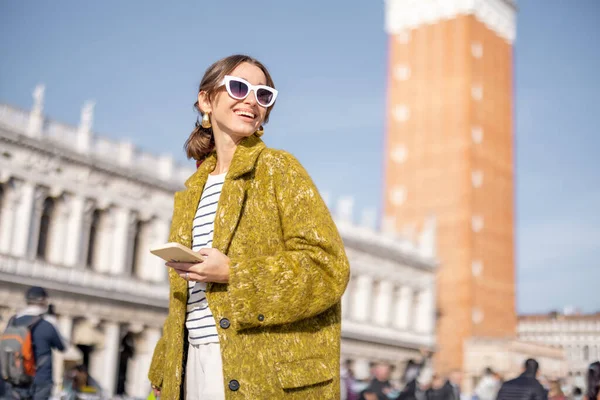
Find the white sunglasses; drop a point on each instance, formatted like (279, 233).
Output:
(239, 89)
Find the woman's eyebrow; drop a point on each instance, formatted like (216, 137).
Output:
(248, 80)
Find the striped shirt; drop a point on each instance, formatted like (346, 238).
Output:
(199, 321)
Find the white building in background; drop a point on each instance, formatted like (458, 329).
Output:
(388, 309)
(578, 334)
(78, 213)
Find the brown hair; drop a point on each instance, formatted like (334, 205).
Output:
(202, 141)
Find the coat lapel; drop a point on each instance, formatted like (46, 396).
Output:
(189, 199)
(231, 202)
(232, 198)
(185, 205)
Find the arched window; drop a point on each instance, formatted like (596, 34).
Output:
(45, 223)
(93, 238)
(135, 248)
(586, 353)
(126, 354)
(1, 202)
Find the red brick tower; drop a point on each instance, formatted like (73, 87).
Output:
(449, 153)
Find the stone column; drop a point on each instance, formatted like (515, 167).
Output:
(23, 229)
(65, 327)
(110, 358)
(347, 300)
(361, 307)
(122, 240)
(144, 268)
(10, 206)
(75, 237)
(87, 215)
(426, 311)
(383, 303)
(137, 379)
(156, 270)
(58, 239)
(403, 307)
(96, 367)
(103, 253)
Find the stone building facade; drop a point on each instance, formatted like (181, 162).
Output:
(78, 213)
(507, 357)
(578, 335)
(388, 309)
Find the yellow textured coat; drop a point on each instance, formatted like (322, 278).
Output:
(279, 318)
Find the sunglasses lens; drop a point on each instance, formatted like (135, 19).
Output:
(264, 96)
(238, 89)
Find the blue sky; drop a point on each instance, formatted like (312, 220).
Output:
(142, 61)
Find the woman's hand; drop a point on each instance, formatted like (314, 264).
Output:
(214, 268)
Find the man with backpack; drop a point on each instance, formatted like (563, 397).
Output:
(26, 349)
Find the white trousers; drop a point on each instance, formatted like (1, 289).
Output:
(204, 373)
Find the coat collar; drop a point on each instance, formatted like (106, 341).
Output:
(244, 159)
(233, 194)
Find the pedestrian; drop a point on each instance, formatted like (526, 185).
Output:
(556, 392)
(452, 385)
(525, 386)
(259, 317)
(380, 387)
(30, 377)
(79, 383)
(417, 377)
(593, 381)
(440, 389)
(488, 386)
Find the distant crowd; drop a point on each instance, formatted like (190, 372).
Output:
(30, 336)
(420, 383)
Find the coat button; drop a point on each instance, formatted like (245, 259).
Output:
(224, 323)
(234, 385)
(261, 317)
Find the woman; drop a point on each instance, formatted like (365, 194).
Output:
(593, 381)
(262, 311)
(79, 384)
(556, 392)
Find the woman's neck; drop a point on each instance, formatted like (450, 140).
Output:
(225, 146)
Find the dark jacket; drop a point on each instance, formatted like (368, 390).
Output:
(451, 391)
(376, 387)
(525, 387)
(45, 337)
(443, 393)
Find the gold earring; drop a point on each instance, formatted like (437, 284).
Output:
(206, 121)
(260, 131)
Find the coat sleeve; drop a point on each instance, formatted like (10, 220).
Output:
(155, 374)
(309, 276)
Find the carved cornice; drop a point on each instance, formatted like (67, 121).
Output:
(384, 247)
(54, 152)
(374, 334)
(84, 282)
(93, 309)
(158, 201)
(353, 349)
(390, 270)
